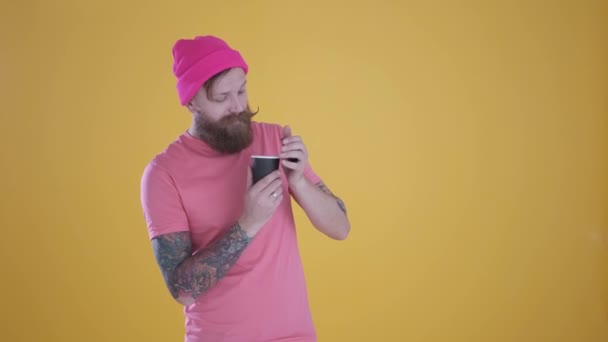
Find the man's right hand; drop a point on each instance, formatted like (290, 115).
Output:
(261, 201)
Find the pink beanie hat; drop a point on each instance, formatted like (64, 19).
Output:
(197, 60)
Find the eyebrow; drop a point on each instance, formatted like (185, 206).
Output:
(227, 92)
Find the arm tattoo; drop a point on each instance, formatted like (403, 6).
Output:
(170, 250)
(338, 200)
(188, 276)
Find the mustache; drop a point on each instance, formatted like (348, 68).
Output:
(245, 115)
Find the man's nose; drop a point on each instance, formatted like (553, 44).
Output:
(235, 105)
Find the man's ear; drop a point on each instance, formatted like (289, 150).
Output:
(191, 107)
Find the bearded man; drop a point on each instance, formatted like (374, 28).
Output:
(227, 248)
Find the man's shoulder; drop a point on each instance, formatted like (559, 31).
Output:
(267, 129)
(266, 125)
(164, 158)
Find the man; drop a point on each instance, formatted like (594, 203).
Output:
(227, 248)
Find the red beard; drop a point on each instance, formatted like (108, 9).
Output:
(230, 134)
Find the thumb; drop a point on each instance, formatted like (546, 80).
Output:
(286, 132)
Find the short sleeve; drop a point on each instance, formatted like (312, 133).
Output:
(310, 174)
(161, 203)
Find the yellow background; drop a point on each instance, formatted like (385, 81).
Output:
(468, 139)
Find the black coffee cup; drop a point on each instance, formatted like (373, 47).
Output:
(262, 166)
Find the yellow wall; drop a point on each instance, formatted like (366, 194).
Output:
(469, 142)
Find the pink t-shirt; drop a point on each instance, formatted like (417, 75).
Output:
(263, 297)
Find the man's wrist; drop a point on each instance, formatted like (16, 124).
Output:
(248, 229)
(299, 184)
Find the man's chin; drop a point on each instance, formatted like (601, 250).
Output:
(236, 144)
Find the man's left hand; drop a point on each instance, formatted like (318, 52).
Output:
(294, 157)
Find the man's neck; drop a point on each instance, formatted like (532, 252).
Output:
(194, 133)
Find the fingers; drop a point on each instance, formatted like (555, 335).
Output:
(286, 132)
(294, 156)
(290, 164)
(293, 144)
(268, 185)
(291, 139)
(294, 152)
(293, 149)
(264, 182)
(275, 187)
(279, 199)
(297, 146)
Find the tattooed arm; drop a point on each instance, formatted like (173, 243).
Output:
(187, 276)
(326, 211)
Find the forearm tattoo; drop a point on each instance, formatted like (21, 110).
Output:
(188, 276)
(338, 200)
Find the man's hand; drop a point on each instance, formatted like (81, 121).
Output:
(294, 157)
(261, 201)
